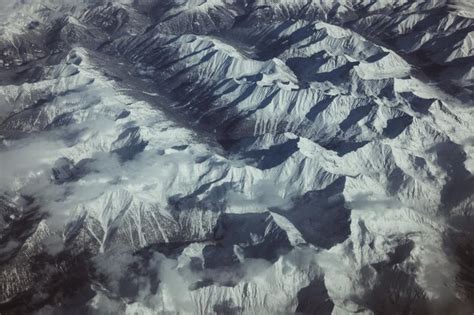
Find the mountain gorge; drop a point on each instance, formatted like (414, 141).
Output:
(236, 156)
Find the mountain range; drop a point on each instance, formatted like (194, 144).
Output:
(237, 157)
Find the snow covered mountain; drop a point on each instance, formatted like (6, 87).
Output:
(236, 157)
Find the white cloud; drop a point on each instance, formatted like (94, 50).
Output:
(264, 194)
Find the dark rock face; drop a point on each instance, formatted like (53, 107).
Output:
(314, 299)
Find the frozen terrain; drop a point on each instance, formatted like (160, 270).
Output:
(237, 157)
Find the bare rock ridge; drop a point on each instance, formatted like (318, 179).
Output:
(236, 157)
